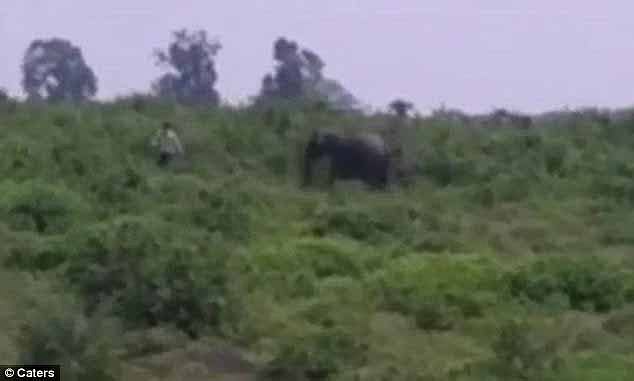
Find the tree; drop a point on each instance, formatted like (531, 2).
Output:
(401, 107)
(190, 56)
(288, 74)
(4, 96)
(299, 75)
(55, 70)
(334, 94)
(269, 86)
(313, 65)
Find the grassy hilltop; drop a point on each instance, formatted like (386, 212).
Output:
(508, 257)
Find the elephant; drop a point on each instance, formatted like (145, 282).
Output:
(364, 157)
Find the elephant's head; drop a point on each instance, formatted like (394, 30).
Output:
(320, 144)
(364, 157)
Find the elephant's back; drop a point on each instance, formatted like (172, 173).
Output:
(375, 142)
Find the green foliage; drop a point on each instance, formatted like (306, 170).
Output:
(424, 229)
(34, 253)
(118, 185)
(225, 212)
(621, 323)
(357, 223)
(55, 70)
(325, 334)
(55, 331)
(316, 353)
(294, 269)
(223, 208)
(412, 283)
(21, 158)
(438, 293)
(152, 275)
(555, 158)
(192, 56)
(588, 283)
(40, 207)
(522, 353)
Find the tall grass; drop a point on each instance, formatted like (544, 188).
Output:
(472, 270)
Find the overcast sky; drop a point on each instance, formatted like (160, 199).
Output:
(529, 55)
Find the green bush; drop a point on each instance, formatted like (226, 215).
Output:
(621, 323)
(524, 353)
(357, 223)
(294, 269)
(40, 207)
(587, 283)
(325, 334)
(385, 222)
(446, 170)
(555, 158)
(511, 187)
(22, 158)
(224, 208)
(619, 188)
(277, 163)
(328, 258)
(316, 354)
(226, 211)
(118, 185)
(433, 313)
(34, 253)
(151, 274)
(436, 292)
(343, 283)
(55, 331)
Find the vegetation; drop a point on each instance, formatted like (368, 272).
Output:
(299, 76)
(506, 257)
(55, 70)
(191, 56)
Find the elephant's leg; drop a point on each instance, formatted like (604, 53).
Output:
(332, 174)
(383, 181)
(383, 175)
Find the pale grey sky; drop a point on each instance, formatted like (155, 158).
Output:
(529, 55)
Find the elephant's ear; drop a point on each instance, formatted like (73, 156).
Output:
(318, 136)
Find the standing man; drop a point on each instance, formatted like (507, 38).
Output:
(169, 144)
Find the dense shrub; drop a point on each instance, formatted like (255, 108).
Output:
(436, 292)
(385, 222)
(277, 163)
(118, 185)
(34, 253)
(356, 223)
(335, 283)
(294, 269)
(448, 170)
(325, 334)
(55, 331)
(223, 208)
(619, 188)
(22, 158)
(555, 158)
(315, 354)
(40, 207)
(586, 283)
(524, 353)
(152, 275)
(621, 323)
